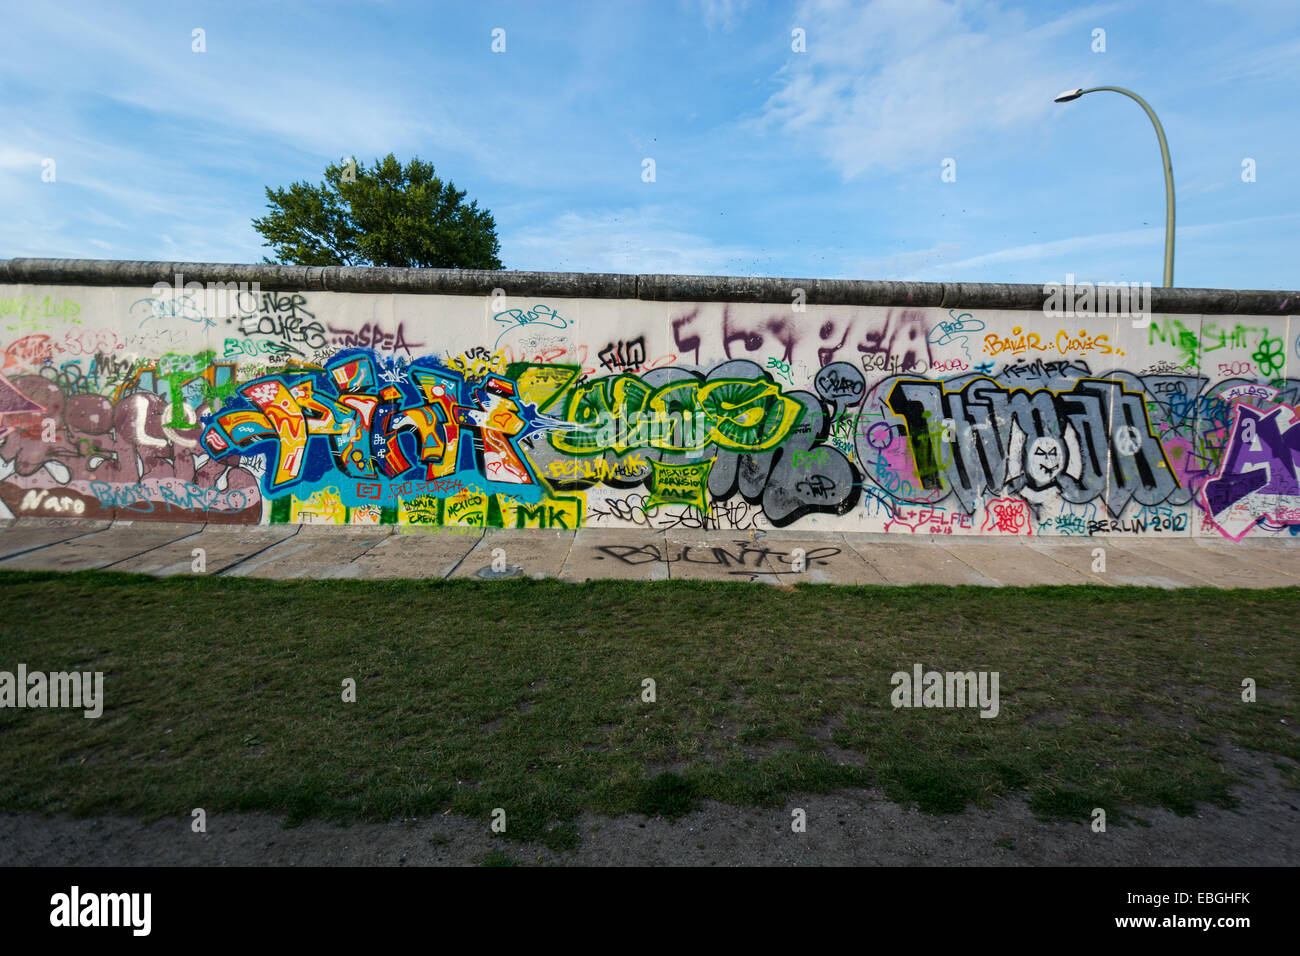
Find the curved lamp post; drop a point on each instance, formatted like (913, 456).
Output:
(1164, 155)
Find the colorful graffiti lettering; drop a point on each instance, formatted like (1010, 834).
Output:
(1258, 481)
(437, 424)
(623, 412)
(90, 456)
(361, 408)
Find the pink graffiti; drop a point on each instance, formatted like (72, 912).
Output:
(1007, 516)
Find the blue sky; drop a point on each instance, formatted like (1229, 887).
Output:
(821, 164)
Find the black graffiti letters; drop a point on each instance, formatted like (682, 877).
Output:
(1091, 441)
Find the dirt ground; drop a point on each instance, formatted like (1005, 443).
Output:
(854, 827)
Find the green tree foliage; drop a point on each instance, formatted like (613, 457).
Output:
(388, 215)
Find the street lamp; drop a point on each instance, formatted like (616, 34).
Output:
(1069, 95)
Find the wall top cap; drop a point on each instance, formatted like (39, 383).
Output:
(596, 285)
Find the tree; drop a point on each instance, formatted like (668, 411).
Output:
(385, 216)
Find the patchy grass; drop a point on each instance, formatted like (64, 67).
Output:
(227, 694)
(666, 795)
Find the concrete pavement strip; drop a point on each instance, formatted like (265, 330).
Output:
(826, 558)
(1276, 557)
(914, 561)
(629, 555)
(27, 534)
(317, 551)
(423, 554)
(721, 556)
(222, 548)
(314, 552)
(1215, 568)
(1121, 567)
(514, 553)
(1009, 566)
(122, 540)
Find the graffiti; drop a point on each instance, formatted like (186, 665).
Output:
(1258, 480)
(314, 407)
(1162, 368)
(253, 348)
(542, 315)
(679, 484)
(1237, 368)
(1040, 369)
(631, 469)
(1007, 516)
(741, 560)
(1248, 392)
(804, 343)
(186, 383)
(933, 519)
(89, 342)
(623, 356)
(15, 407)
(1019, 342)
(478, 362)
(781, 368)
(635, 509)
(807, 459)
(436, 424)
(817, 487)
(28, 308)
(1192, 344)
(29, 352)
(89, 456)
(893, 364)
(903, 334)
(1066, 524)
(170, 306)
(956, 331)
(279, 316)
(370, 335)
(1270, 356)
(535, 351)
(1138, 524)
(981, 438)
(841, 384)
(142, 497)
(371, 489)
(623, 412)
(786, 492)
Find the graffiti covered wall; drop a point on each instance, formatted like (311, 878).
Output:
(447, 410)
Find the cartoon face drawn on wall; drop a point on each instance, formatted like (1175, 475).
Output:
(1044, 461)
(1036, 467)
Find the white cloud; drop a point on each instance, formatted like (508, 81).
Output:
(721, 12)
(1273, 62)
(629, 241)
(1084, 248)
(20, 160)
(895, 83)
(1037, 251)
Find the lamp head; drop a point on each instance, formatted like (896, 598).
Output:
(1068, 95)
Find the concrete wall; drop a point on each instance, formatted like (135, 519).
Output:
(417, 397)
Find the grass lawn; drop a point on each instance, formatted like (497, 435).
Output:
(527, 695)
